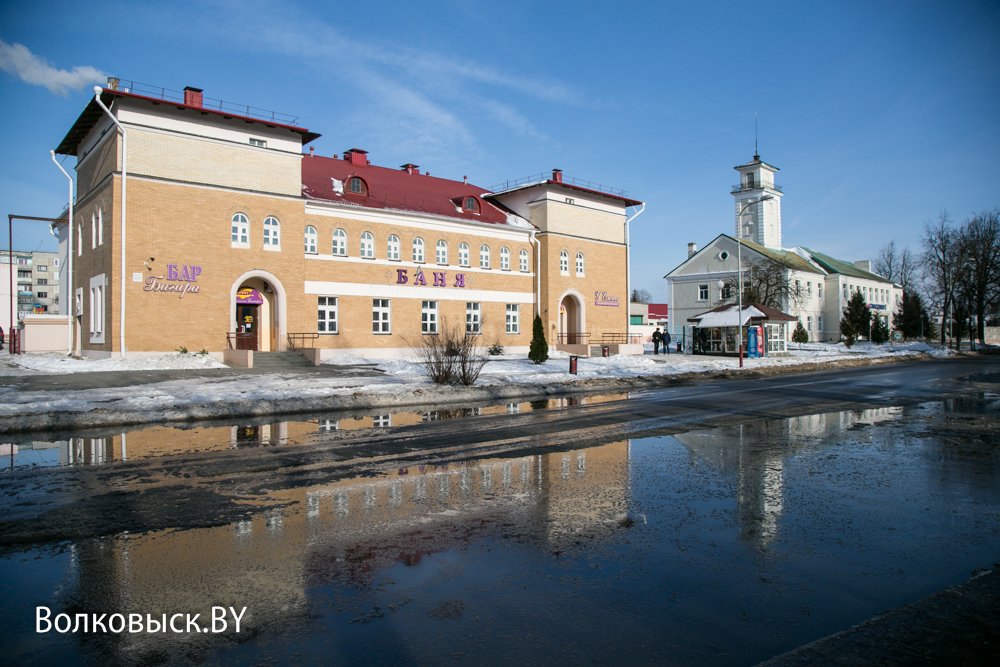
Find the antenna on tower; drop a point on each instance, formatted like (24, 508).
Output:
(756, 156)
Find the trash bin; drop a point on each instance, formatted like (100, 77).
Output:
(605, 351)
(572, 364)
(680, 347)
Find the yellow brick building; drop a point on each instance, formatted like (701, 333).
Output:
(234, 238)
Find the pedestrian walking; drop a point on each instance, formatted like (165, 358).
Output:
(657, 337)
(666, 342)
(1, 339)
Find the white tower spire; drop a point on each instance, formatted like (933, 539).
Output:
(760, 223)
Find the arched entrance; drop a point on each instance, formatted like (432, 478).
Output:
(257, 310)
(571, 323)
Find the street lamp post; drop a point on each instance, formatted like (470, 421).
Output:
(739, 269)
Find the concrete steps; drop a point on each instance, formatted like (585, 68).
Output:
(281, 361)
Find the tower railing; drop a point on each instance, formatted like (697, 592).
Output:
(756, 186)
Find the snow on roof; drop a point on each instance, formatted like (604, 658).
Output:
(726, 317)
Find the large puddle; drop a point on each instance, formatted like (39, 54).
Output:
(722, 547)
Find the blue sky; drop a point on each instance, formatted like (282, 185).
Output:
(879, 115)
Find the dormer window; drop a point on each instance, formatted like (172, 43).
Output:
(471, 205)
(357, 186)
(260, 143)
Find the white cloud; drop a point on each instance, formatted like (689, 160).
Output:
(16, 59)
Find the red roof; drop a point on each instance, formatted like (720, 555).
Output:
(395, 189)
(658, 310)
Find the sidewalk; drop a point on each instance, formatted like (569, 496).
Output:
(957, 626)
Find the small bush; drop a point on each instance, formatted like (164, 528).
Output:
(182, 350)
(496, 349)
(800, 335)
(848, 332)
(451, 356)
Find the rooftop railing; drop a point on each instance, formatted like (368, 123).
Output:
(177, 96)
(547, 176)
(755, 186)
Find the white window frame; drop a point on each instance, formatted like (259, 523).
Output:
(240, 230)
(418, 250)
(93, 230)
(463, 255)
(311, 240)
(473, 318)
(441, 252)
(523, 260)
(381, 317)
(513, 318)
(392, 248)
(563, 263)
(79, 239)
(484, 256)
(580, 265)
(272, 233)
(702, 292)
(429, 317)
(504, 259)
(100, 226)
(367, 246)
(97, 309)
(78, 303)
(259, 143)
(325, 307)
(339, 247)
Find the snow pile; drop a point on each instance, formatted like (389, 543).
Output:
(55, 363)
(346, 360)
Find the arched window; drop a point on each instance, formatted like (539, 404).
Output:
(392, 248)
(340, 242)
(471, 205)
(579, 264)
(463, 255)
(311, 239)
(272, 233)
(368, 245)
(357, 186)
(418, 250)
(241, 231)
(564, 263)
(504, 259)
(484, 256)
(523, 255)
(442, 252)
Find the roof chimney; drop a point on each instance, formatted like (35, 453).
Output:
(465, 179)
(312, 151)
(692, 248)
(356, 156)
(557, 175)
(192, 96)
(410, 168)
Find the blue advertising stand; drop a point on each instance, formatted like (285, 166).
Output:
(753, 342)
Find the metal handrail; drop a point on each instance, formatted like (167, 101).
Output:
(756, 186)
(547, 176)
(237, 336)
(573, 338)
(620, 338)
(294, 338)
(168, 95)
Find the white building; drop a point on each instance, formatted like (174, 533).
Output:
(822, 285)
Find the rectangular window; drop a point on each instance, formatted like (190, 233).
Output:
(819, 290)
(569, 201)
(523, 261)
(463, 255)
(845, 292)
(42, 268)
(724, 292)
(635, 319)
(429, 317)
(43, 281)
(93, 230)
(819, 323)
(42, 295)
(809, 323)
(23, 274)
(97, 309)
(78, 302)
(702, 292)
(380, 316)
(100, 226)
(55, 262)
(473, 318)
(79, 240)
(327, 314)
(809, 288)
(260, 143)
(513, 318)
(798, 287)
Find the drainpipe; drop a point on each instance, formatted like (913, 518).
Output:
(538, 274)
(68, 299)
(628, 272)
(97, 98)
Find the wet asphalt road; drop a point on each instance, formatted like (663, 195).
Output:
(720, 523)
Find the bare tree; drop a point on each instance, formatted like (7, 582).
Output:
(943, 259)
(641, 296)
(978, 281)
(766, 281)
(895, 265)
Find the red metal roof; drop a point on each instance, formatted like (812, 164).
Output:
(395, 189)
(625, 200)
(658, 310)
(93, 112)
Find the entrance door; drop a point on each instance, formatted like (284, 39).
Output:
(247, 322)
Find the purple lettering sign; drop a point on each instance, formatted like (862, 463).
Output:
(605, 299)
